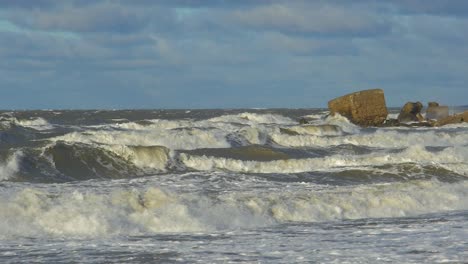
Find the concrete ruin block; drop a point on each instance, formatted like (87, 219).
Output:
(436, 111)
(364, 108)
(454, 119)
(411, 112)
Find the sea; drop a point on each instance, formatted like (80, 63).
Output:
(229, 186)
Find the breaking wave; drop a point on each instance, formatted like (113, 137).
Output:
(144, 157)
(10, 166)
(451, 158)
(252, 118)
(377, 139)
(83, 213)
(317, 130)
(190, 138)
(37, 123)
(89, 161)
(245, 143)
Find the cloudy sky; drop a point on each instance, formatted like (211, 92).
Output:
(229, 54)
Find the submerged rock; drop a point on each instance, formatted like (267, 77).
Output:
(364, 108)
(303, 121)
(435, 111)
(411, 112)
(454, 119)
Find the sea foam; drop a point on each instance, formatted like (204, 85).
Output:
(87, 213)
(35, 123)
(11, 166)
(452, 158)
(252, 118)
(191, 138)
(377, 139)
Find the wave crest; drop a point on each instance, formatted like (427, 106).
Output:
(34, 212)
(452, 158)
(10, 166)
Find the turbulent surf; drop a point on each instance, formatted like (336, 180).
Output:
(229, 185)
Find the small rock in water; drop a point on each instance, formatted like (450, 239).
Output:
(303, 121)
(411, 112)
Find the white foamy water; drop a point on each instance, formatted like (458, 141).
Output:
(11, 166)
(453, 158)
(341, 122)
(252, 118)
(317, 116)
(173, 139)
(317, 130)
(393, 115)
(378, 139)
(35, 212)
(221, 186)
(35, 123)
(86, 213)
(184, 134)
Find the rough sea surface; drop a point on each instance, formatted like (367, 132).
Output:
(223, 186)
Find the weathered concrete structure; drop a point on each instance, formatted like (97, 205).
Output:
(364, 108)
(368, 108)
(454, 119)
(436, 111)
(411, 112)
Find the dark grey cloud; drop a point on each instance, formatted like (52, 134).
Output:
(101, 17)
(435, 7)
(183, 53)
(305, 46)
(322, 19)
(225, 4)
(27, 3)
(34, 46)
(300, 17)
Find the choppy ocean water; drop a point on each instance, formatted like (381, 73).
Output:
(211, 186)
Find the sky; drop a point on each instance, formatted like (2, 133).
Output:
(119, 54)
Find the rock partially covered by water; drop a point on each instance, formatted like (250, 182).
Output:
(364, 108)
(411, 112)
(303, 121)
(454, 119)
(436, 111)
